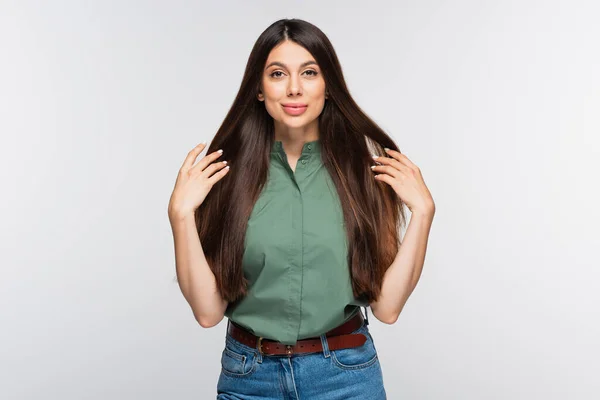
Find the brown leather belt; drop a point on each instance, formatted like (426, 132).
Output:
(337, 338)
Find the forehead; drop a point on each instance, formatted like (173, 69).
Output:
(289, 53)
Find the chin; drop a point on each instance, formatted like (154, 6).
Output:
(296, 125)
(296, 122)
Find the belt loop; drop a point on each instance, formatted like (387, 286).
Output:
(227, 331)
(366, 316)
(325, 344)
(259, 352)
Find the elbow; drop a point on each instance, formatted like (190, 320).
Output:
(213, 318)
(209, 322)
(389, 318)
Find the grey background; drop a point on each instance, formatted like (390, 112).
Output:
(496, 101)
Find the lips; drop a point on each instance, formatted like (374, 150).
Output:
(294, 109)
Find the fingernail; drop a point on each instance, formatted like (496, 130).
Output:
(375, 157)
(386, 149)
(220, 151)
(373, 166)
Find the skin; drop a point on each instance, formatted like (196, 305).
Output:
(402, 276)
(291, 80)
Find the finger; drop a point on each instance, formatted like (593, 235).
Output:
(214, 167)
(191, 156)
(206, 161)
(387, 169)
(393, 162)
(406, 160)
(401, 158)
(385, 178)
(216, 177)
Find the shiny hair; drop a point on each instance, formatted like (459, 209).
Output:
(348, 138)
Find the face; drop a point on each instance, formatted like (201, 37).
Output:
(292, 76)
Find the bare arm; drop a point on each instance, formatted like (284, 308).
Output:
(196, 280)
(403, 275)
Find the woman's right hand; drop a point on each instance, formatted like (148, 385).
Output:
(194, 182)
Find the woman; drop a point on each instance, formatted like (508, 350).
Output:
(302, 231)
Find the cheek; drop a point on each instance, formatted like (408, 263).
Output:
(273, 97)
(274, 91)
(318, 109)
(272, 107)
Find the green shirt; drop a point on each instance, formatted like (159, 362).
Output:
(295, 255)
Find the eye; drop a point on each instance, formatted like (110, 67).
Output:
(272, 74)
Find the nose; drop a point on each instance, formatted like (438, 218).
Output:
(294, 86)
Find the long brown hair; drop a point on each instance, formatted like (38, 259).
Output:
(373, 213)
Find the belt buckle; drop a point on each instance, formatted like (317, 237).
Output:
(289, 349)
(259, 345)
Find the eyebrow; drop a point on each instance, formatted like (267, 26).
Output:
(280, 64)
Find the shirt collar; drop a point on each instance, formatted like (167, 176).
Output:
(312, 147)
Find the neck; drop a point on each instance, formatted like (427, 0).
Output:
(294, 138)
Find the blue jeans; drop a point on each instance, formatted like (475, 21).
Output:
(344, 374)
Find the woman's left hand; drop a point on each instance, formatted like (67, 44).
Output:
(406, 180)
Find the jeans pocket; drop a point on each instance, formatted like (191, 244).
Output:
(359, 357)
(237, 360)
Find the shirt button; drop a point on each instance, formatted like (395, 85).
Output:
(303, 161)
